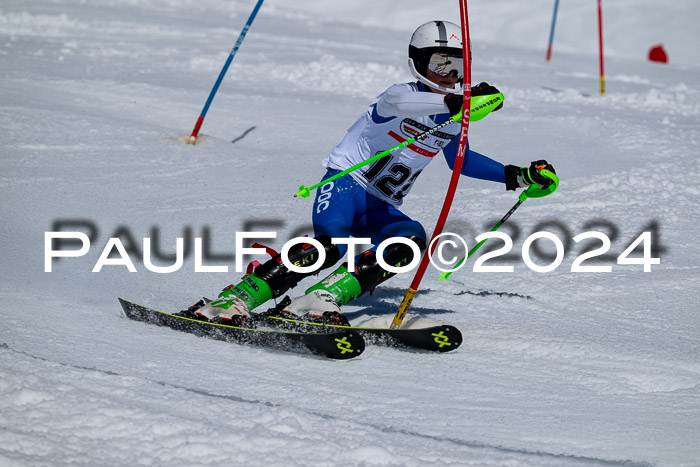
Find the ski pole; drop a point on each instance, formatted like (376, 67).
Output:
(533, 191)
(551, 31)
(305, 191)
(481, 106)
(200, 120)
(454, 179)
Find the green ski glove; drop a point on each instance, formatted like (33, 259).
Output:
(522, 177)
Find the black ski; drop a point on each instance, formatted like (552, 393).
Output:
(332, 343)
(442, 338)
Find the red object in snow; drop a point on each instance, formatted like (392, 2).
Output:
(658, 54)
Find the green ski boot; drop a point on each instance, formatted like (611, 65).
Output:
(235, 302)
(321, 303)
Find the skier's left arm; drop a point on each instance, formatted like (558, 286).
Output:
(477, 165)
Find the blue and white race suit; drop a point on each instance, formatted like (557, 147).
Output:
(365, 203)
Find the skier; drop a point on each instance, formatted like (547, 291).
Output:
(366, 203)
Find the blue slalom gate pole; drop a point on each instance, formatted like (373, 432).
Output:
(551, 32)
(195, 132)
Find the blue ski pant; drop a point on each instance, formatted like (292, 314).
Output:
(343, 209)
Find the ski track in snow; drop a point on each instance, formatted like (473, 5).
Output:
(86, 389)
(560, 368)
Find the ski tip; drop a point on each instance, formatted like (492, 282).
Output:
(346, 345)
(448, 338)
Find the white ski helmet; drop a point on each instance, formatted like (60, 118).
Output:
(435, 37)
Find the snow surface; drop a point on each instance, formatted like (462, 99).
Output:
(557, 368)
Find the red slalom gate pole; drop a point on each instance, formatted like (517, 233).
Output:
(456, 171)
(600, 46)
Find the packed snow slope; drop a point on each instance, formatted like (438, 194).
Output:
(557, 368)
